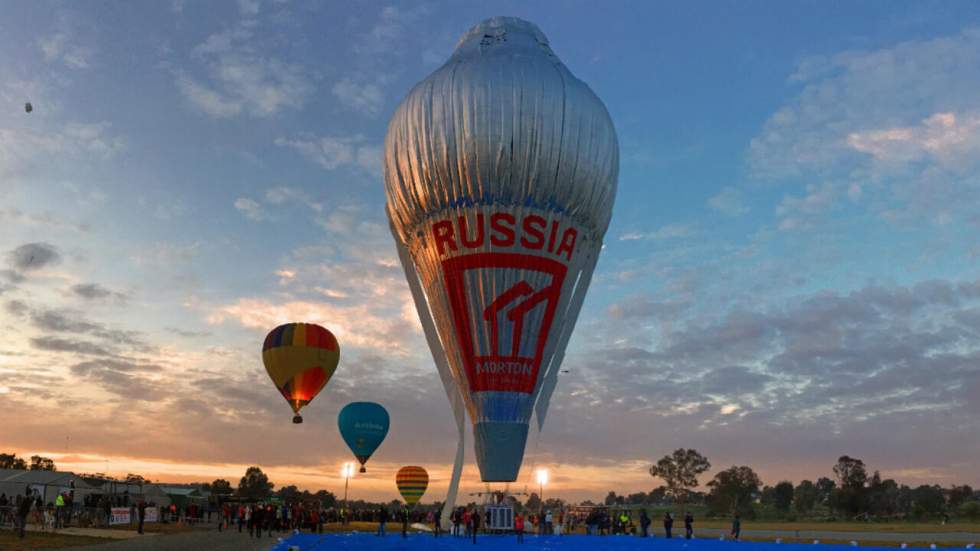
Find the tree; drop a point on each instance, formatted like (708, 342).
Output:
(733, 490)
(533, 503)
(825, 490)
(221, 487)
(929, 499)
(613, 499)
(783, 496)
(135, 479)
(680, 472)
(255, 484)
(850, 472)
(328, 499)
(39, 463)
(957, 495)
(971, 510)
(805, 497)
(852, 476)
(11, 461)
(882, 496)
(288, 493)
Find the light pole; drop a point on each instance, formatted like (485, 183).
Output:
(542, 480)
(346, 471)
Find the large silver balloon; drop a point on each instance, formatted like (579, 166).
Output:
(500, 173)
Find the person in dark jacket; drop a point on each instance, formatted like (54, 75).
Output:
(736, 527)
(688, 526)
(668, 525)
(437, 523)
(475, 524)
(23, 509)
(258, 516)
(382, 521)
(404, 519)
(644, 524)
(141, 511)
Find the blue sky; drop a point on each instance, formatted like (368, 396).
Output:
(791, 272)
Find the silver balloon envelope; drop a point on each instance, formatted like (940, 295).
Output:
(500, 174)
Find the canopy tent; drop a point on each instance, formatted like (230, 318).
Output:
(46, 483)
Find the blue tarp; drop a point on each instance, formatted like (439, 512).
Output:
(394, 541)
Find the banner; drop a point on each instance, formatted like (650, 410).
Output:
(152, 515)
(119, 515)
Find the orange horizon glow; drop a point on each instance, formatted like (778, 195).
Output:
(570, 482)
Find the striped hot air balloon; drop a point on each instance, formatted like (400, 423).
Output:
(412, 482)
(300, 359)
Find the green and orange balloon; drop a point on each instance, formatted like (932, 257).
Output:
(300, 359)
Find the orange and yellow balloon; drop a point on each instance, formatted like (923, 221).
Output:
(300, 359)
(412, 482)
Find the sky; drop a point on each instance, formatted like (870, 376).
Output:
(792, 271)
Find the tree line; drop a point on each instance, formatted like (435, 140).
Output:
(852, 493)
(37, 463)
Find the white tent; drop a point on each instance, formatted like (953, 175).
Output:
(46, 483)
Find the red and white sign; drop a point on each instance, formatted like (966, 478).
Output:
(119, 515)
(502, 337)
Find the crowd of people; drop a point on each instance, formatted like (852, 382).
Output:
(30, 508)
(267, 518)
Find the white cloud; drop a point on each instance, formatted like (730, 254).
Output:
(366, 98)
(60, 47)
(947, 138)
(670, 231)
(282, 195)
(796, 212)
(332, 152)
(249, 8)
(895, 131)
(251, 209)
(241, 79)
(24, 148)
(204, 98)
(729, 201)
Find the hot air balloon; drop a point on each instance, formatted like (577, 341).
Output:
(500, 174)
(300, 359)
(412, 482)
(364, 426)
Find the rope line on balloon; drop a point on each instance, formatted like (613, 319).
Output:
(452, 393)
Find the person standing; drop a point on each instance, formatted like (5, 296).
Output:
(736, 527)
(23, 510)
(59, 510)
(404, 519)
(141, 512)
(668, 525)
(257, 514)
(382, 521)
(519, 527)
(437, 523)
(688, 525)
(475, 521)
(644, 524)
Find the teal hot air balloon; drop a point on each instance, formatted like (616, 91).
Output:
(364, 426)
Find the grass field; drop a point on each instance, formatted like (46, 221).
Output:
(890, 527)
(41, 540)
